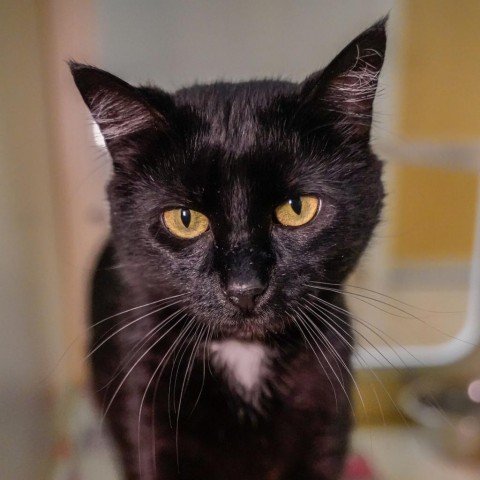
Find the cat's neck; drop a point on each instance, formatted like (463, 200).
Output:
(245, 366)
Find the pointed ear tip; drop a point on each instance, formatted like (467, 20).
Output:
(376, 35)
(73, 66)
(76, 67)
(383, 20)
(380, 26)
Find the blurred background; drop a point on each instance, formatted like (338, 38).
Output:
(417, 357)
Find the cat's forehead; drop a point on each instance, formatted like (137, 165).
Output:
(256, 93)
(232, 114)
(214, 181)
(245, 148)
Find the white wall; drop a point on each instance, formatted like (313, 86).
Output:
(177, 42)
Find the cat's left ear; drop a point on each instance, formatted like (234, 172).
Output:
(118, 108)
(343, 93)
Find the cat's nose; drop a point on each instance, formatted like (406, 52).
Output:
(245, 294)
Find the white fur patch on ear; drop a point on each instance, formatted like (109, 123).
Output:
(354, 90)
(98, 136)
(117, 115)
(245, 366)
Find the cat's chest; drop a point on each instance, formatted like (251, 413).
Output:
(245, 366)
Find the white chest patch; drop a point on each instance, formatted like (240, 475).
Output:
(244, 364)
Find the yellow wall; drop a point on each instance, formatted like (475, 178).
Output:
(431, 210)
(433, 214)
(439, 100)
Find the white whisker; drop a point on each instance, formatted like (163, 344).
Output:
(299, 326)
(103, 342)
(135, 364)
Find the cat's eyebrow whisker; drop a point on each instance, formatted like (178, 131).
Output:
(129, 324)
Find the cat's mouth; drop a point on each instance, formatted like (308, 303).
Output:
(234, 331)
(248, 328)
(247, 336)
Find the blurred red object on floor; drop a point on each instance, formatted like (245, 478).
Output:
(358, 468)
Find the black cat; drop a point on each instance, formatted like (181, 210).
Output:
(221, 344)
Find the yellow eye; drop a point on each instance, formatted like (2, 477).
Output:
(185, 223)
(297, 211)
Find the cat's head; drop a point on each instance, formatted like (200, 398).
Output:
(242, 193)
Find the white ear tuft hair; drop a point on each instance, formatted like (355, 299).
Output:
(117, 116)
(118, 108)
(344, 91)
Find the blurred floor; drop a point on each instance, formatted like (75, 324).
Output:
(25, 434)
(403, 453)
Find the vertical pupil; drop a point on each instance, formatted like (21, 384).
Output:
(296, 205)
(186, 217)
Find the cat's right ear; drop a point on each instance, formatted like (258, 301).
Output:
(342, 94)
(118, 108)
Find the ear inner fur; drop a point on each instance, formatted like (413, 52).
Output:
(344, 91)
(118, 108)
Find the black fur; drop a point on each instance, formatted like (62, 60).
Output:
(233, 152)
